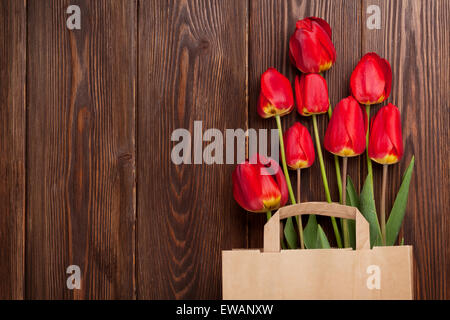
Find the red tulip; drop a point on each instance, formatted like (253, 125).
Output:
(259, 185)
(276, 97)
(311, 93)
(310, 46)
(370, 82)
(299, 147)
(385, 142)
(346, 132)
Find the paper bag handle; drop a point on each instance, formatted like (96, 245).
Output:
(272, 227)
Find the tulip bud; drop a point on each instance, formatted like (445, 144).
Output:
(299, 147)
(346, 131)
(310, 46)
(259, 185)
(276, 97)
(370, 82)
(311, 93)
(385, 142)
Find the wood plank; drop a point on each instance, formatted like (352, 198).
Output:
(81, 151)
(271, 25)
(413, 39)
(192, 66)
(12, 148)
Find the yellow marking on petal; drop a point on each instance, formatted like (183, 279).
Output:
(300, 164)
(283, 112)
(388, 159)
(306, 113)
(270, 110)
(381, 99)
(325, 66)
(272, 203)
(346, 152)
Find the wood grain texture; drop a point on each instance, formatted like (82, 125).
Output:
(12, 147)
(413, 38)
(81, 150)
(271, 24)
(192, 66)
(71, 129)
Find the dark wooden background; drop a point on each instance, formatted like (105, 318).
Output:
(86, 118)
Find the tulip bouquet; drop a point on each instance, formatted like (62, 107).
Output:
(260, 186)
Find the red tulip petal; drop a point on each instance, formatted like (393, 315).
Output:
(269, 168)
(304, 24)
(247, 188)
(385, 143)
(316, 99)
(336, 137)
(387, 77)
(304, 61)
(265, 108)
(380, 144)
(367, 82)
(345, 135)
(298, 94)
(312, 94)
(355, 126)
(277, 89)
(309, 52)
(238, 194)
(299, 147)
(271, 194)
(291, 58)
(308, 147)
(393, 127)
(306, 144)
(281, 181)
(310, 46)
(325, 26)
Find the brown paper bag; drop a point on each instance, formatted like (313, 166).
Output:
(364, 273)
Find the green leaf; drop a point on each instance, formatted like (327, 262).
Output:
(398, 210)
(352, 233)
(352, 200)
(378, 242)
(369, 211)
(290, 234)
(402, 242)
(310, 233)
(352, 195)
(321, 241)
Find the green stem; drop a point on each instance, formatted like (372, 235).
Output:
(336, 165)
(283, 160)
(383, 204)
(269, 215)
(369, 162)
(343, 201)
(324, 179)
(288, 180)
(299, 221)
(338, 176)
(319, 153)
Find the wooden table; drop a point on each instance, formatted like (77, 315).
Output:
(86, 118)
